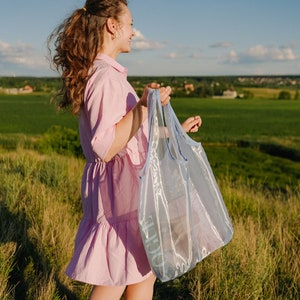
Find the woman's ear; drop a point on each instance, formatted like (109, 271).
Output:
(111, 24)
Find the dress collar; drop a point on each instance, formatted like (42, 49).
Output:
(112, 62)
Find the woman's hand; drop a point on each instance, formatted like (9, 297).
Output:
(165, 93)
(192, 124)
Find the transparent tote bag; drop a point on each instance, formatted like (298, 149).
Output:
(182, 216)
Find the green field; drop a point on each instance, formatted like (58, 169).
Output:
(223, 120)
(252, 120)
(237, 134)
(30, 114)
(254, 149)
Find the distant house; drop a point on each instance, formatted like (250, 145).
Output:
(14, 91)
(228, 94)
(27, 89)
(189, 87)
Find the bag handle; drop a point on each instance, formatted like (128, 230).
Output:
(155, 116)
(151, 109)
(169, 114)
(176, 128)
(166, 117)
(157, 121)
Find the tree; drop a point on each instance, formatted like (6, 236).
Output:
(284, 95)
(297, 95)
(248, 94)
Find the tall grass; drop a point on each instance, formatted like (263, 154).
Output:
(40, 209)
(262, 261)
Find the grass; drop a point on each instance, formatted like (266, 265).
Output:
(253, 139)
(226, 120)
(268, 93)
(235, 133)
(253, 147)
(31, 114)
(40, 210)
(264, 93)
(223, 120)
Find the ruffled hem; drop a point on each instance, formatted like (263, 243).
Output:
(109, 254)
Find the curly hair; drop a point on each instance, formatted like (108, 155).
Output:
(77, 42)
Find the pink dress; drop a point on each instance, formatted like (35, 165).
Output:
(108, 246)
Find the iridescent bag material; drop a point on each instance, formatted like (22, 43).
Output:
(182, 215)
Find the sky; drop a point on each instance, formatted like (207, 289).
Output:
(173, 38)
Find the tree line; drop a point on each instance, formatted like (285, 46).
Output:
(183, 86)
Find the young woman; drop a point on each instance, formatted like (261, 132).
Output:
(109, 252)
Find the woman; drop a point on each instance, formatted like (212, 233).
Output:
(109, 252)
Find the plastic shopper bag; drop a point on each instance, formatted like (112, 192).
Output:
(182, 216)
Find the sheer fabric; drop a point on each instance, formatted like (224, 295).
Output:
(182, 215)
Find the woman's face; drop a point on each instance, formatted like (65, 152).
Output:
(125, 31)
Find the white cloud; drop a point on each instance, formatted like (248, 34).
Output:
(195, 55)
(233, 57)
(172, 55)
(221, 45)
(261, 53)
(140, 42)
(21, 55)
(183, 53)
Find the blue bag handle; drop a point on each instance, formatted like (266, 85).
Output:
(154, 102)
(173, 122)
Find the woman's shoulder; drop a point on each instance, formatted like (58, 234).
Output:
(104, 71)
(101, 68)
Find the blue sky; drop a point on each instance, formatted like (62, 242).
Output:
(192, 37)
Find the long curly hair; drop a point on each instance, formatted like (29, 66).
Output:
(76, 43)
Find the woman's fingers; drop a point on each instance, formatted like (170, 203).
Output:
(165, 93)
(197, 121)
(192, 124)
(153, 85)
(195, 124)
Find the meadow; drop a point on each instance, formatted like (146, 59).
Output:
(254, 149)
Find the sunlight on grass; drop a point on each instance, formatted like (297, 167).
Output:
(40, 211)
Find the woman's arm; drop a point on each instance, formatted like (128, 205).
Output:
(127, 127)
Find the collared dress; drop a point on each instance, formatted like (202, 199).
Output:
(108, 246)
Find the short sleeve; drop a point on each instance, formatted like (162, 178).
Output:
(105, 107)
